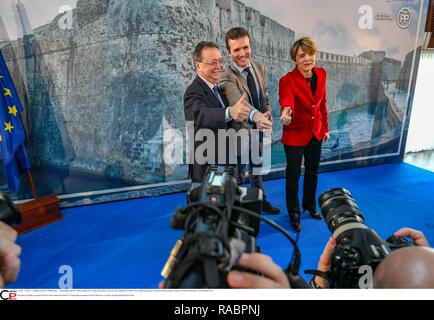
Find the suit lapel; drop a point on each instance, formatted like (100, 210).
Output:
(242, 80)
(261, 81)
(259, 77)
(209, 93)
(319, 84)
(225, 101)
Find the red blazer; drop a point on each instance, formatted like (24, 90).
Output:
(309, 113)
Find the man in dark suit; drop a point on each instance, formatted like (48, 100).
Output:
(245, 77)
(208, 109)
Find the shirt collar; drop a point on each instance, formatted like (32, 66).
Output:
(240, 69)
(209, 84)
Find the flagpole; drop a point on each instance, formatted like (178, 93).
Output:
(39, 211)
(32, 184)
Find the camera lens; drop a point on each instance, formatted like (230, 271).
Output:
(339, 208)
(9, 213)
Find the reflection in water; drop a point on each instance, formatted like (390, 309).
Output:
(62, 181)
(351, 131)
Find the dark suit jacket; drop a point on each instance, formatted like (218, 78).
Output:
(309, 112)
(203, 108)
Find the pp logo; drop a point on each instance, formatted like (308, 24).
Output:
(404, 18)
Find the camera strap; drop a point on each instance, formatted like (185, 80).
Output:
(322, 274)
(204, 252)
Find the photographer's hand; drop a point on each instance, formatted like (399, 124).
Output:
(9, 255)
(274, 276)
(325, 262)
(418, 237)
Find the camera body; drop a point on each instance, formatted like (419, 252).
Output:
(216, 230)
(356, 244)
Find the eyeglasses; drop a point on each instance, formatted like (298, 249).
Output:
(214, 63)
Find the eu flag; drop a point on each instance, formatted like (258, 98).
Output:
(12, 135)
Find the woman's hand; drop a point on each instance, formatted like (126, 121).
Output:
(286, 118)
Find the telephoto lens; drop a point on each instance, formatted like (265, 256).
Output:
(357, 245)
(9, 213)
(340, 211)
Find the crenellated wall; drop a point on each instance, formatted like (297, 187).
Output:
(354, 81)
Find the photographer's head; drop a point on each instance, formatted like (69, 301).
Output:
(406, 268)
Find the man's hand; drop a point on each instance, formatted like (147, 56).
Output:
(286, 118)
(418, 237)
(263, 121)
(9, 255)
(267, 115)
(325, 261)
(327, 137)
(274, 277)
(239, 112)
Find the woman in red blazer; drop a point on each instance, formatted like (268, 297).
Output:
(302, 94)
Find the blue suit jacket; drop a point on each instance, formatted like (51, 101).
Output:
(203, 108)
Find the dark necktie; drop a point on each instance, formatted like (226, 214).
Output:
(217, 94)
(216, 91)
(252, 88)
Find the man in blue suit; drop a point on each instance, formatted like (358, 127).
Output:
(206, 107)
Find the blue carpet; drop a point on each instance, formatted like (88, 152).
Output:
(125, 244)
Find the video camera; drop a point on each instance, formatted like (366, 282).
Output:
(219, 226)
(356, 244)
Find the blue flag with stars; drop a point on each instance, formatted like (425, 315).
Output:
(12, 135)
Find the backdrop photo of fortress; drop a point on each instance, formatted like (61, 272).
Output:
(101, 81)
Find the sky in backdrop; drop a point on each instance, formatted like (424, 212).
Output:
(39, 12)
(333, 23)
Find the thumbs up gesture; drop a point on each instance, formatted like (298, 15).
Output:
(267, 115)
(286, 116)
(263, 121)
(239, 111)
